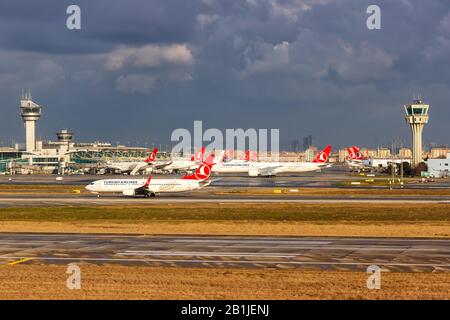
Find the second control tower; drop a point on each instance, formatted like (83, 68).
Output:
(417, 117)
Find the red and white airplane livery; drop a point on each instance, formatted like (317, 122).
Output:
(151, 187)
(264, 169)
(176, 165)
(355, 158)
(133, 167)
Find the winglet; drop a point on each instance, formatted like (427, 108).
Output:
(148, 182)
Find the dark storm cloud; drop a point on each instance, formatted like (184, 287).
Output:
(139, 69)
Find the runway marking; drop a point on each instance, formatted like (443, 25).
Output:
(337, 248)
(445, 241)
(208, 254)
(28, 243)
(19, 261)
(318, 263)
(251, 241)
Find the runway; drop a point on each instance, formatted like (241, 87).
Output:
(324, 253)
(326, 179)
(88, 200)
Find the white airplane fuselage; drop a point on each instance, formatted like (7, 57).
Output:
(234, 166)
(295, 167)
(129, 186)
(258, 168)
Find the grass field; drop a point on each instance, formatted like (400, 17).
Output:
(418, 220)
(235, 212)
(353, 192)
(121, 282)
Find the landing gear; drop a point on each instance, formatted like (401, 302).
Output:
(148, 195)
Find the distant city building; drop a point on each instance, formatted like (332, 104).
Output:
(295, 145)
(307, 142)
(384, 153)
(342, 155)
(372, 153)
(311, 153)
(439, 152)
(405, 153)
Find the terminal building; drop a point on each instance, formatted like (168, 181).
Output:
(439, 168)
(61, 155)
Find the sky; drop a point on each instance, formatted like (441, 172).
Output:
(137, 70)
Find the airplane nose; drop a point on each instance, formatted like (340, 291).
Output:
(88, 187)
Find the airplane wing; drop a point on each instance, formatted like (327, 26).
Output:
(138, 168)
(204, 184)
(154, 165)
(161, 165)
(211, 181)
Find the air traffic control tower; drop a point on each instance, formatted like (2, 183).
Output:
(417, 117)
(30, 112)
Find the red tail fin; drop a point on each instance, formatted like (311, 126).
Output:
(152, 157)
(247, 155)
(250, 155)
(322, 157)
(199, 156)
(351, 153)
(355, 153)
(204, 170)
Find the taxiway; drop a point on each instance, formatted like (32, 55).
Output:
(326, 253)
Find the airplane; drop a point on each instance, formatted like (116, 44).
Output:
(151, 187)
(268, 169)
(356, 159)
(185, 165)
(265, 169)
(133, 167)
